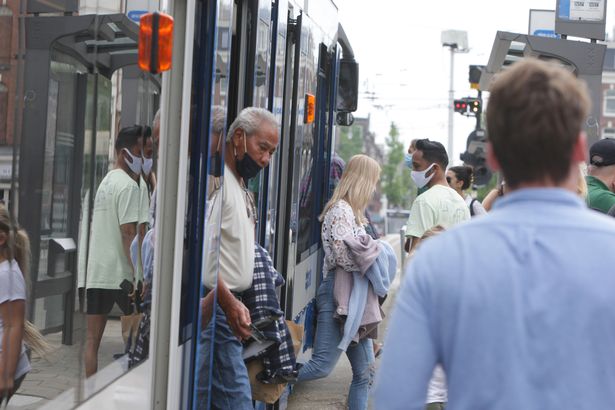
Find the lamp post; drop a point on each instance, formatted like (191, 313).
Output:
(457, 42)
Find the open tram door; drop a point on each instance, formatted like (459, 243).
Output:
(312, 73)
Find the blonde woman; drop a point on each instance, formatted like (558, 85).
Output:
(14, 329)
(343, 216)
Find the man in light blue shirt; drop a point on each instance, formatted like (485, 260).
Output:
(517, 306)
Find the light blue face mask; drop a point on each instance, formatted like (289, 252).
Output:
(408, 160)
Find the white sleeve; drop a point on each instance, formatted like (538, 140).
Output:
(341, 222)
(479, 209)
(12, 285)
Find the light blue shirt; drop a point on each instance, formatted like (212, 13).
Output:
(518, 306)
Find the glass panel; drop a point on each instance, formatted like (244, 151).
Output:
(67, 99)
(208, 321)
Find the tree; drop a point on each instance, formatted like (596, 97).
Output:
(350, 142)
(396, 180)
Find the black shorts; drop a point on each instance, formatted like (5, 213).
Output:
(101, 301)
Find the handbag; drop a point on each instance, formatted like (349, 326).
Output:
(271, 393)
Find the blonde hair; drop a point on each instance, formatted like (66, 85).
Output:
(18, 248)
(581, 184)
(356, 186)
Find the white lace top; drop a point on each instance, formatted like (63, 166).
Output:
(339, 223)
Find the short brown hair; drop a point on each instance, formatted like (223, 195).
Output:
(535, 114)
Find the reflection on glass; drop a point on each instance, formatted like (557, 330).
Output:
(209, 311)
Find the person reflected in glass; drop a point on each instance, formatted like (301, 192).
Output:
(250, 143)
(343, 216)
(460, 179)
(15, 330)
(110, 276)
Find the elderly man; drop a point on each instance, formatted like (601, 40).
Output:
(251, 141)
(517, 306)
(601, 178)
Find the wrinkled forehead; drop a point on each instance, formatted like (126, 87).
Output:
(267, 134)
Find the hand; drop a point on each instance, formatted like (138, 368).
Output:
(238, 318)
(6, 388)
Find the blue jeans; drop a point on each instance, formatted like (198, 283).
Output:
(326, 353)
(222, 375)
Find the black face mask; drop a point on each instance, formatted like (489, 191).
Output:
(247, 167)
(215, 161)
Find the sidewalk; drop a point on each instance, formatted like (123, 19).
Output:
(63, 368)
(331, 393)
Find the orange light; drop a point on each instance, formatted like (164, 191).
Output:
(155, 42)
(310, 109)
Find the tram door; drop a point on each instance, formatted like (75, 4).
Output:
(296, 234)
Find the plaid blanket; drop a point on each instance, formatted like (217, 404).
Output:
(262, 302)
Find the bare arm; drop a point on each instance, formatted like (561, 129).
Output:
(129, 231)
(237, 314)
(490, 199)
(13, 316)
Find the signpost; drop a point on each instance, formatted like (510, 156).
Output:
(581, 18)
(542, 23)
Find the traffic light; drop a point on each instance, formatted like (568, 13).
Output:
(475, 105)
(469, 106)
(461, 106)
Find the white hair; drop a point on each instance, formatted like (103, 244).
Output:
(218, 120)
(249, 120)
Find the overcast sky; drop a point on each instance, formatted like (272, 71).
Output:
(402, 62)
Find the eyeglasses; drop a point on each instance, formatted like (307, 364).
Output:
(448, 179)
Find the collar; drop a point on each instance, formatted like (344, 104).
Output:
(596, 182)
(557, 196)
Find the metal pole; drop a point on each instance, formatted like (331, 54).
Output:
(451, 99)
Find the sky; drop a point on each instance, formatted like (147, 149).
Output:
(404, 70)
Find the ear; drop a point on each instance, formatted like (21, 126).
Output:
(237, 136)
(579, 150)
(492, 161)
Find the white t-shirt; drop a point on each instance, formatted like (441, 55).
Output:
(117, 203)
(479, 209)
(439, 205)
(236, 236)
(13, 287)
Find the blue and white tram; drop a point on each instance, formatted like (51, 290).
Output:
(292, 58)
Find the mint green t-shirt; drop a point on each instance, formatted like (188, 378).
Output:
(439, 205)
(116, 204)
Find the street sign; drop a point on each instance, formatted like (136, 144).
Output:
(581, 18)
(542, 23)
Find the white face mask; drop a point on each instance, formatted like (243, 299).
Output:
(419, 177)
(148, 163)
(137, 163)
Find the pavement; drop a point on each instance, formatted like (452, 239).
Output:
(63, 368)
(331, 392)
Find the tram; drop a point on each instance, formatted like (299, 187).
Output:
(288, 56)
